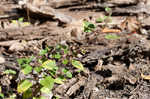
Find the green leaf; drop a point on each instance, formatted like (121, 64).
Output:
(65, 51)
(27, 94)
(47, 82)
(58, 47)
(58, 80)
(22, 61)
(2, 95)
(99, 20)
(21, 19)
(27, 69)
(57, 55)
(45, 90)
(111, 36)
(78, 65)
(65, 61)
(14, 21)
(107, 9)
(67, 73)
(43, 52)
(64, 70)
(38, 69)
(24, 86)
(88, 26)
(25, 24)
(49, 64)
(9, 71)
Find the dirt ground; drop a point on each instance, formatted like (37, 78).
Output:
(115, 68)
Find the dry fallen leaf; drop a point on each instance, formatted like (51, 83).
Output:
(107, 30)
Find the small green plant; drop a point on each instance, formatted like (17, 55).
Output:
(77, 64)
(20, 22)
(107, 18)
(47, 72)
(88, 26)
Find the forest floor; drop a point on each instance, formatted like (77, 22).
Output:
(75, 49)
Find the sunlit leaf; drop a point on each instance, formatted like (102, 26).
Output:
(58, 80)
(65, 61)
(9, 71)
(27, 94)
(47, 82)
(24, 86)
(57, 55)
(67, 73)
(78, 65)
(25, 24)
(88, 26)
(14, 21)
(1, 95)
(107, 9)
(27, 69)
(21, 19)
(43, 52)
(99, 20)
(45, 90)
(49, 64)
(38, 69)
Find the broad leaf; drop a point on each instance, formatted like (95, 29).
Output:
(21, 19)
(24, 86)
(27, 69)
(38, 69)
(58, 80)
(47, 82)
(57, 55)
(49, 64)
(67, 73)
(45, 90)
(77, 64)
(43, 52)
(65, 61)
(9, 71)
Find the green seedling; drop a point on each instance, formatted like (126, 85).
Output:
(46, 73)
(78, 65)
(20, 22)
(24, 86)
(105, 19)
(58, 80)
(49, 64)
(27, 69)
(88, 26)
(47, 83)
(65, 61)
(67, 73)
